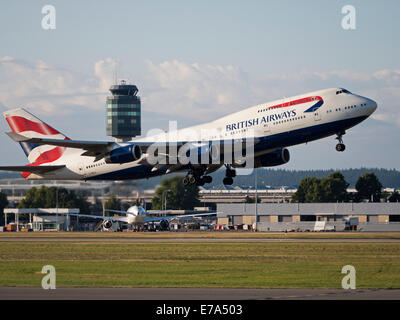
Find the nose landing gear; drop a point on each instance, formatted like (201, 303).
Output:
(340, 146)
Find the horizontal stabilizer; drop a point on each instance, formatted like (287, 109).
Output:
(32, 169)
(92, 148)
(17, 137)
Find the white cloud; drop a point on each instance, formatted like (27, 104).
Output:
(195, 91)
(180, 90)
(49, 89)
(104, 70)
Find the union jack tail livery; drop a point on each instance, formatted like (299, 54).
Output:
(27, 125)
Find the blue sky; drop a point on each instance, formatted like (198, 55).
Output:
(195, 60)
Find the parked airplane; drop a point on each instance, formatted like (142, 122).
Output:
(137, 217)
(271, 126)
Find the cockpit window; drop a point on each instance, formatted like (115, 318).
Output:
(343, 91)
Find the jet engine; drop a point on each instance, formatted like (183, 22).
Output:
(124, 154)
(198, 154)
(107, 224)
(164, 224)
(227, 152)
(272, 159)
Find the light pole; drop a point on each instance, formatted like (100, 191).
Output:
(164, 199)
(103, 202)
(255, 184)
(57, 209)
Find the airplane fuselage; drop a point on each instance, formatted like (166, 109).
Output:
(274, 125)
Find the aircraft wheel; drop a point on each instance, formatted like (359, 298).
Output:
(192, 180)
(185, 181)
(207, 179)
(227, 181)
(340, 147)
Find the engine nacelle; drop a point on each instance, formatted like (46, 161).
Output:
(228, 152)
(124, 154)
(164, 224)
(197, 154)
(107, 224)
(272, 159)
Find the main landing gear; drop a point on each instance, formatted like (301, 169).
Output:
(229, 175)
(197, 178)
(340, 146)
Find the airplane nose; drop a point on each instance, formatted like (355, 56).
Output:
(371, 105)
(375, 105)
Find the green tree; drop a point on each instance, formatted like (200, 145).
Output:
(53, 197)
(32, 199)
(305, 189)
(316, 191)
(3, 204)
(330, 189)
(335, 187)
(113, 203)
(394, 197)
(177, 195)
(368, 187)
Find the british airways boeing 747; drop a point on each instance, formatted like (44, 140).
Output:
(268, 129)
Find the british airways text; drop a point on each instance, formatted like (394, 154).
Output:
(256, 121)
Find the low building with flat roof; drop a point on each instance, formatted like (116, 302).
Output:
(281, 216)
(42, 219)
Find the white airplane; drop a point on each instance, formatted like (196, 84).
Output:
(137, 217)
(271, 126)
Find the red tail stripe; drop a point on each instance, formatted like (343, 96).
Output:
(19, 124)
(46, 157)
(49, 156)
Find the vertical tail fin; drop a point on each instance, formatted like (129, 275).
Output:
(26, 124)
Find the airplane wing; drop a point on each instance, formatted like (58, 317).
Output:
(121, 219)
(117, 211)
(180, 216)
(33, 169)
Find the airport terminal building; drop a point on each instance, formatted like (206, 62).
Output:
(305, 216)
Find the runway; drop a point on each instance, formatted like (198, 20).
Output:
(29, 293)
(186, 239)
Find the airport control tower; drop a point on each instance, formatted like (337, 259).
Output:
(123, 112)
